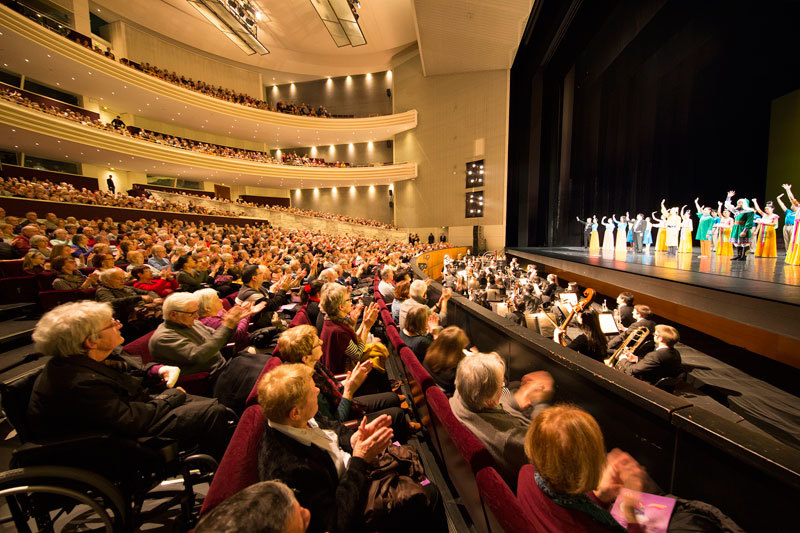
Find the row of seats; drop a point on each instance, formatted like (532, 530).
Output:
(469, 465)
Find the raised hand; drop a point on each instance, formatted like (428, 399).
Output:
(371, 314)
(731, 193)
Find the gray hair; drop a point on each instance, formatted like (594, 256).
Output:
(479, 377)
(333, 295)
(417, 289)
(328, 275)
(36, 239)
(106, 274)
(265, 507)
(62, 331)
(386, 271)
(205, 299)
(177, 301)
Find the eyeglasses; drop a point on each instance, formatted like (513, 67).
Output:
(114, 324)
(196, 312)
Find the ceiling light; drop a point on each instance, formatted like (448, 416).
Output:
(341, 21)
(234, 22)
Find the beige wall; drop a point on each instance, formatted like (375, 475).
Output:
(462, 117)
(142, 46)
(123, 180)
(365, 202)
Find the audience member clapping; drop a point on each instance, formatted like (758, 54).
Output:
(443, 356)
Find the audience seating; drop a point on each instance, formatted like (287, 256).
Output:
(239, 466)
(52, 299)
(11, 268)
(503, 503)
(193, 384)
(18, 289)
(252, 398)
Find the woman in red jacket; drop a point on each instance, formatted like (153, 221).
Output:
(163, 285)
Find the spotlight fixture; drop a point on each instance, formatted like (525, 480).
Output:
(236, 19)
(474, 205)
(341, 20)
(475, 174)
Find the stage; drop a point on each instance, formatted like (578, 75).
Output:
(754, 305)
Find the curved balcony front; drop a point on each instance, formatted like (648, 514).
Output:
(51, 58)
(23, 129)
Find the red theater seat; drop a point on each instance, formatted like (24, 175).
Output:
(10, 268)
(51, 299)
(252, 398)
(239, 466)
(504, 506)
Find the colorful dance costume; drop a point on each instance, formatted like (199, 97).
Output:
(648, 234)
(629, 237)
(594, 241)
(724, 246)
(767, 244)
(704, 229)
(608, 236)
(673, 222)
(793, 255)
(788, 227)
(685, 246)
(742, 231)
(661, 237)
(622, 244)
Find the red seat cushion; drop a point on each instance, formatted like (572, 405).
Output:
(252, 398)
(141, 348)
(10, 268)
(500, 500)
(239, 466)
(51, 299)
(415, 368)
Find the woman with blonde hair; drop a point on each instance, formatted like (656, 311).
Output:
(571, 482)
(443, 356)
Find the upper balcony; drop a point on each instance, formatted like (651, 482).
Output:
(37, 52)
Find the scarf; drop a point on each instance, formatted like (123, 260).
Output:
(581, 503)
(329, 387)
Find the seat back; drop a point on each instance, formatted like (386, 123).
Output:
(51, 299)
(415, 368)
(503, 506)
(239, 466)
(141, 347)
(252, 398)
(18, 289)
(10, 268)
(15, 397)
(45, 281)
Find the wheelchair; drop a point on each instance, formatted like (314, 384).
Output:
(102, 478)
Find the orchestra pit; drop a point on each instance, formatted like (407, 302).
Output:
(522, 266)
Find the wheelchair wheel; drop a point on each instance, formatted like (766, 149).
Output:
(55, 498)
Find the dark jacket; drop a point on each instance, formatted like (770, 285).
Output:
(626, 315)
(660, 363)
(191, 282)
(124, 300)
(418, 343)
(336, 504)
(75, 395)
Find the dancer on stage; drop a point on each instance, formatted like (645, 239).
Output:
(608, 236)
(587, 229)
(742, 225)
(672, 221)
(766, 241)
(622, 233)
(704, 228)
(685, 246)
(724, 226)
(790, 217)
(793, 251)
(629, 236)
(648, 235)
(639, 227)
(716, 232)
(594, 239)
(661, 236)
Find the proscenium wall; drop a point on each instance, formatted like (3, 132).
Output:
(379, 152)
(783, 165)
(365, 202)
(359, 95)
(462, 117)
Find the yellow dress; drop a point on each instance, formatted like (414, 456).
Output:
(724, 246)
(661, 240)
(793, 254)
(767, 244)
(622, 243)
(594, 242)
(685, 246)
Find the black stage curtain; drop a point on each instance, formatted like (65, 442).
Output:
(618, 104)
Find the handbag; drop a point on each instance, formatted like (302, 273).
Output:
(395, 492)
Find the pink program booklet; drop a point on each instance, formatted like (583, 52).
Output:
(653, 512)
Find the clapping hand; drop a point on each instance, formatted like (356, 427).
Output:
(170, 375)
(537, 387)
(621, 470)
(371, 314)
(373, 438)
(355, 378)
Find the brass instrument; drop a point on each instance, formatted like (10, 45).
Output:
(636, 338)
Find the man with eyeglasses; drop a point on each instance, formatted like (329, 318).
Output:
(183, 341)
(91, 386)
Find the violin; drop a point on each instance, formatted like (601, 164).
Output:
(583, 304)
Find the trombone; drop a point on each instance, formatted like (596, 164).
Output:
(631, 343)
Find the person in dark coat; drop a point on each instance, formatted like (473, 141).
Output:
(326, 464)
(663, 362)
(110, 182)
(91, 386)
(641, 315)
(431, 238)
(625, 309)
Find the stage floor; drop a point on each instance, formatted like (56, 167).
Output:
(768, 279)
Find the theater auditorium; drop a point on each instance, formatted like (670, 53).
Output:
(521, 266)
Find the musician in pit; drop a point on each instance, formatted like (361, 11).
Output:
(591, 341)
(663, 362)
(642, 316)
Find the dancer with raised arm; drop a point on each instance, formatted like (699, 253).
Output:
(766, 240)
(672, 221)
(661, 236)
(724, 226)
(790, 216)
(608, 236)
(648, 235)
(587, 230)
(741, 232)
(793, 252)
(594, 240)
(622, 233)
(716, 232)
(704, 228)
(685, 246)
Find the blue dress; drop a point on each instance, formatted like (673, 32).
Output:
(648, 236)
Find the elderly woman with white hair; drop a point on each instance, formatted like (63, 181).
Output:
(89, 385)
(183, 341)
(211, 313)
(158, 258)
(496, 415)
(417, 296)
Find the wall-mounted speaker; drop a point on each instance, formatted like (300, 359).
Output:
(389, 143)
(389, 93)
(391, 204)
(390, 192)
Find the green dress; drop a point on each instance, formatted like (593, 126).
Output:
(704, 227)
(742, 223)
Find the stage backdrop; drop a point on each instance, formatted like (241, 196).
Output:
(616, 105)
